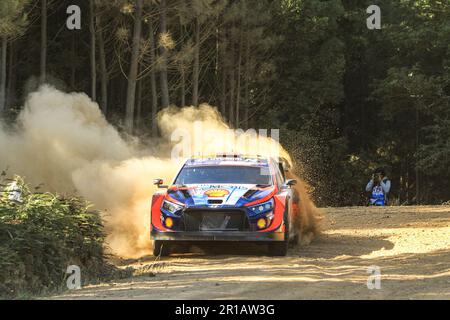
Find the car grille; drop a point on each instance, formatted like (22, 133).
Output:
(215, 201)
(215, 220)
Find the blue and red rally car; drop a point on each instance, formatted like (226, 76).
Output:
(226, 198)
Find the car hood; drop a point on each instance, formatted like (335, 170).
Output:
(218, 195)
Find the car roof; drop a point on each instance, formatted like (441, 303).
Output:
(228, 160)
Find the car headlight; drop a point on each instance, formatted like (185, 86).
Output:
(262, 207)
(171, 207)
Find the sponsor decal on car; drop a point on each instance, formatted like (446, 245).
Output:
(217, 193)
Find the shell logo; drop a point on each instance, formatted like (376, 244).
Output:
(217, 193)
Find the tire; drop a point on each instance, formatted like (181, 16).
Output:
(161, 248)
(280, 249)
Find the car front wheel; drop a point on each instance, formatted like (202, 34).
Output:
(280, 248)
(161, 248)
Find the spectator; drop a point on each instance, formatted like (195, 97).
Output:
(378, 188)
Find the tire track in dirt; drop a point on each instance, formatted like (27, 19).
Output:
(411, 245)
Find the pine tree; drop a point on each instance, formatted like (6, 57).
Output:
(93, 48)
(12, 23)
(134, 65)
(164, 46)
(43, 63)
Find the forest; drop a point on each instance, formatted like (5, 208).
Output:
(346, 98)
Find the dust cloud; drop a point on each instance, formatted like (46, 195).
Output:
(63, 141)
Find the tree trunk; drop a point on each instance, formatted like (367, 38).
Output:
(93, 51)
(217, 51)
(104, 77)
(417, 173)
(163, 51)
(3, 75)
(113, 94)
(223, 72)
(182, 74)
(247, 80)
(154, 105)
(183, 87)
(73, 62)
(196, 71)
(43, 76)
(407, 182)
(238, 89)
(12, 76)
(132, 75)
(231, 107)
(223, 98)
(401, 182)
(231, 79)
(139, 102)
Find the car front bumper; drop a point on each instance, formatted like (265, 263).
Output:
(217, 236)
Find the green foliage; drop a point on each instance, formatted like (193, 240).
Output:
(414, 95)
(347, 98)
(12, 17)
(311, 64)
(41, 235)
(352, 99)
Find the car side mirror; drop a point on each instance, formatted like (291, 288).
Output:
(159, 183)
(291, 182)
(286, 166)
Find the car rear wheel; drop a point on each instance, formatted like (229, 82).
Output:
(161, 248)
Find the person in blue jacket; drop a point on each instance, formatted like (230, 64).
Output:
(378, 188)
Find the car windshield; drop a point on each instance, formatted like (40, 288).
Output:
(224, 174)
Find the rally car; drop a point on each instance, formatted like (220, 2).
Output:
(226, 198)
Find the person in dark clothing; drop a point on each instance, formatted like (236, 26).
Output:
(378, 188)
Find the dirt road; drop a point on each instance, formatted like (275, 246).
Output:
(410, 245)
